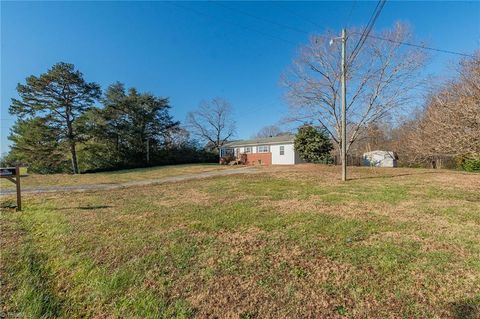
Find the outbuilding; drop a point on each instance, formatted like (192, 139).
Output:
(276, 150)
(380, 159)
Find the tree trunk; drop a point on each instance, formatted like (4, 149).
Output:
(148, 151)
(73, 150)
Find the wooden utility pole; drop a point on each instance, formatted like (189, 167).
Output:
(344, 106)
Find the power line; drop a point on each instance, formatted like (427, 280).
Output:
(368, 29)
(230, 22)
(351, 11)
(364, 30)
(419, 46)
(282, 25)
(285, 26)
(298, 15)
(364, 34)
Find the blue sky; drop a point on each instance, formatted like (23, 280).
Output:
(191, 51)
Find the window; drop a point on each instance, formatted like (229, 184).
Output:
(282, 150)
(263, 149)
(227, 151)
(247, 149)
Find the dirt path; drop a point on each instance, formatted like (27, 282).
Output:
(164, 180)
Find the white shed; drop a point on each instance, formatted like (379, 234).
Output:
(380, 159)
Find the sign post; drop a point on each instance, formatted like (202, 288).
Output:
(13, 174)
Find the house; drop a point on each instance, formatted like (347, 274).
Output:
(276, 150)
(380, 159)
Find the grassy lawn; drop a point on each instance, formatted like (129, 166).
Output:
(35, 180)
(291, 242)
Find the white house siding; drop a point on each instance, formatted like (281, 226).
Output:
(274, 143)
(287, 159)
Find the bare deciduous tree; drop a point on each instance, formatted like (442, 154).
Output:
(375, 136)
(383, 77)
(269, 131)
(450, 122)
(176, 137)
(212, 122)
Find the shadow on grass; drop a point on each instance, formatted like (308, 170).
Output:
(94, 207)
(393, 176)
(8, 204)
(89, 207)
(466, 309)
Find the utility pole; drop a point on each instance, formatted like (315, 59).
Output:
(344, 106)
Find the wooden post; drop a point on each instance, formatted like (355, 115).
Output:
(344, 105)
(17, 182)
(14, 174)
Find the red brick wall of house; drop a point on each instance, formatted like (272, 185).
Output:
(255, 158)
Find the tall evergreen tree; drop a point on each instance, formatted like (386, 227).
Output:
(58, 97)
(133, 125)
(37, 143)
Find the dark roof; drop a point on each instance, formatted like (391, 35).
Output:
(288, 138)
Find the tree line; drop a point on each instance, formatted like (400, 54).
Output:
(61, 128)
(443, 133)
(448, 126)
(385, 81)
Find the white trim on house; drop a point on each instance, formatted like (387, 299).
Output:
(281, 147)
(263, 149)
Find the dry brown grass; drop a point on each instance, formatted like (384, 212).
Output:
(115, 177)
(292, 242)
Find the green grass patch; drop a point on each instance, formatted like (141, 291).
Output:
(272, 245)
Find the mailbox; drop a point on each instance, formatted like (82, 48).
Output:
(13, 174)
(8, 171)
(12, 171)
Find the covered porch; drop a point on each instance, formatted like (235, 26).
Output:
(234, 155)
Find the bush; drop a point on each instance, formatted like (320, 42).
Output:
(225, 160)
(313, 145)
(471, 165)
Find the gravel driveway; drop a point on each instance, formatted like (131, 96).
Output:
(164, 180)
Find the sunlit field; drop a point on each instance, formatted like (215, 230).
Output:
(114, 177)
(289, 242)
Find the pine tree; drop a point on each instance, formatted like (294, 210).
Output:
(39, 145)
(58, 97)
(133, 125)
